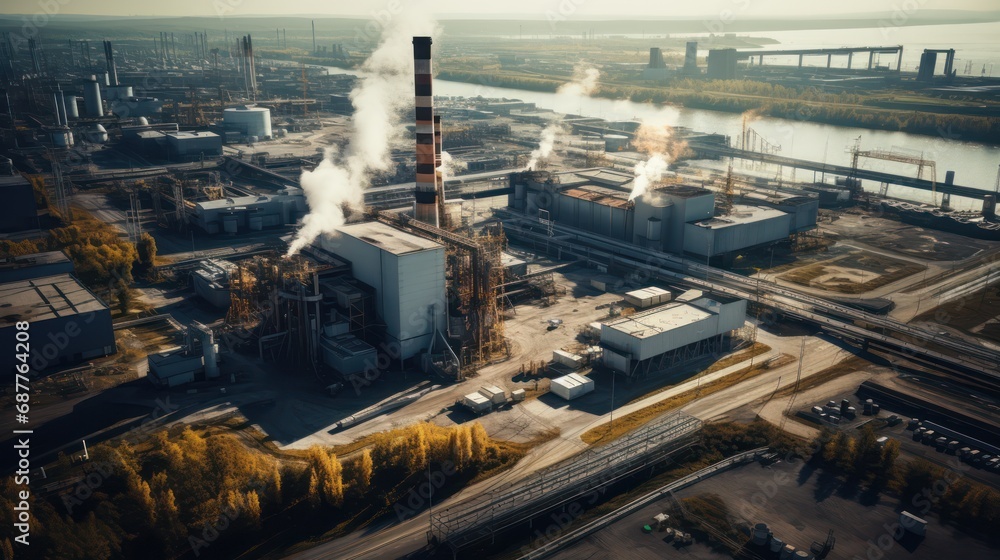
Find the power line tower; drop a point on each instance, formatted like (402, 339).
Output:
(795, 388)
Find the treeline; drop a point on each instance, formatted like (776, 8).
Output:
(211, 496)
(104, 261)
(921, 486)
(861, 459)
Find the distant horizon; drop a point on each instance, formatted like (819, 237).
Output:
(529, 10)
(522, 17)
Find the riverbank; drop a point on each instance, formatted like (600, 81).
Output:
(763, 99)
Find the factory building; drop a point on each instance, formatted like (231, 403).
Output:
(18, 211)
(250, 213)
(187, 145)
(211, 281)
(408, 275)
(653, 340)
(722, 64)
(197, 360)
(35, 265)
(676, 218)
(252, 122)
(69, 324)
(745, 226)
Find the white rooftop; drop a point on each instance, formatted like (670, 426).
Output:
(572, 380)
(652, 323)
(651, 291)
(388, 238)
(740, 215)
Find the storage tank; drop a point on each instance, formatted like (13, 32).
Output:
(119, 92)
(250, 120)
(62, 137)
(97, 134)
(92, 99)
(760, 534)
(654, 227)
(71, 109)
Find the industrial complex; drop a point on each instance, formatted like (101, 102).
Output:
(518, 294)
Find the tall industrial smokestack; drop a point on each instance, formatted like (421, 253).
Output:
(425, 206)
(438, 173)
(314, 35)
(109, 56)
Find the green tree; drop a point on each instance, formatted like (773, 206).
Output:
(146, 250)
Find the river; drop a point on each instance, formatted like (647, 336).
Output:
(975, 164)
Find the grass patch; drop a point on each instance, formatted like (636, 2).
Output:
(757, 349)
(605, 433)
(882, 270)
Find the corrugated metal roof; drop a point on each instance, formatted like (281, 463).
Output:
(572, 380)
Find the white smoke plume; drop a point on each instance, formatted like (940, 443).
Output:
(646, 173)
(656, 138)
(546, 144)
(384, 90)
(584, 83)
(450, 166)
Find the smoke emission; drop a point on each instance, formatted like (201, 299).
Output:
(450, 166)
(656, 138)
(584, 83)
(384, 90)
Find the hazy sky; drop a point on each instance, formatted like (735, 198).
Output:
(509, 8)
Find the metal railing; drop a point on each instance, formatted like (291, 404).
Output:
(483, 516)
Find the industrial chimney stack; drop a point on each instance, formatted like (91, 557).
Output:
(109, 56)
(425, 206)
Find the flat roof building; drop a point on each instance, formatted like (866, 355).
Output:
(35, 265)
(18, 211)
(68, 323)
(408, 274)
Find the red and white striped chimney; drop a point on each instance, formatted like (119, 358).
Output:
(425, 206)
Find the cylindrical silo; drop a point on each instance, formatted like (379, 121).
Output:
(92, 99)
(249, 120)
(71, 109)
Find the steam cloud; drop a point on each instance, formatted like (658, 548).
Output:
(546, 144)
(384, 90)
(584, 83)
(450, 166)
(655, 138)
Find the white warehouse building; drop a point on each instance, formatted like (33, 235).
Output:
(249, 120)
(653, 340)
(408, 274)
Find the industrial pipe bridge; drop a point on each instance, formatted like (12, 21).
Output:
(842, 170)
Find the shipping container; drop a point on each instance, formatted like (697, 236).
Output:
(571, 386)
